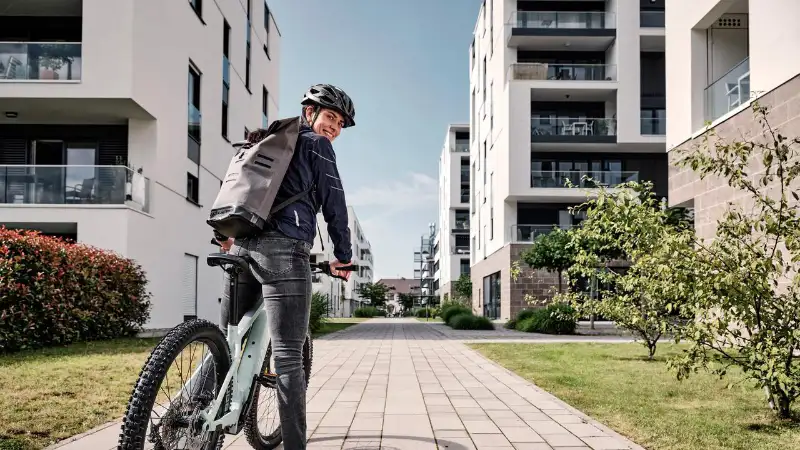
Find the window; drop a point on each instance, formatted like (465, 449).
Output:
(248, 32)
(192, 188)
(195, 118)
(464, 267)
(197, 6)
(264, 107)
(266, 28)
(491, 206)
(226, 75)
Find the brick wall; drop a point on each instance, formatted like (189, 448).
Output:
(512, 293)
(711, 195)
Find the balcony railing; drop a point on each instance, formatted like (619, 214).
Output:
(460, 250)
(563, 19)
(461, 225)
(651, 19)
(465, 198)
(527, 233)
(40, 61)
(461, 147)
(589, 126)
(654, 126)
(558, 178)
(728, 92)
(562, 72)
(73, 185)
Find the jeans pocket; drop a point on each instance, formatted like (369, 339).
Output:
(275, 256)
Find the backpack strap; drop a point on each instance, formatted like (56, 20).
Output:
(289, 201)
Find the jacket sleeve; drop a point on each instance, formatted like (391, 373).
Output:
(330, 195)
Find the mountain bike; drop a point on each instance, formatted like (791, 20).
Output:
(199, 420)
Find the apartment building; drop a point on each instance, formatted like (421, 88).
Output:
(343, 297)
(117, 118)
(721, 55)
(452, 245)
(558, 89)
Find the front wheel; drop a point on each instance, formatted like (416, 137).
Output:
(262, 425)
(157, 392)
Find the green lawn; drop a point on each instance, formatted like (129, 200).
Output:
(333, 324)
(430, 319)
(644, 401)
(51, 394)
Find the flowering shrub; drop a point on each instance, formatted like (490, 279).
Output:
(53, 292)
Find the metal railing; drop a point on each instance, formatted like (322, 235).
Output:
(461, 225)
(40, 61)
(527, 233)
(654, 126)
(461, 147)
(587, 20)
(73, 185)
(460, 249)
(562, 71)
(728, 92)
(558, 178)
(568, 126)
(651, 19)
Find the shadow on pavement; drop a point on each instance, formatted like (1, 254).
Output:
(379, 439)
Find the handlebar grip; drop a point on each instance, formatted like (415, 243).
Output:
(351, 267)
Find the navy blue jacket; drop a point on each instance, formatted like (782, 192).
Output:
(314, 165)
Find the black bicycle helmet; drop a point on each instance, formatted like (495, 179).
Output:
(330, 96)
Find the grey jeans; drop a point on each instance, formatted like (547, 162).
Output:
(282, 275)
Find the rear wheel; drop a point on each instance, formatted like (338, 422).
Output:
(160, 391)
(262, 425)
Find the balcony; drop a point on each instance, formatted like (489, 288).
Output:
(729, 92)
(551, 30)
(651, 19)
(558, 178)
(562, 72)
(41, 62)
(460, 226)
(653, 126)
(460, 250)
(73, 185)
(460, 147)
(576, 130)
(528, 233)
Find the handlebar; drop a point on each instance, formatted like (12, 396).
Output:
(322, 266)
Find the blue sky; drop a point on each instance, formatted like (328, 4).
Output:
(405, 64)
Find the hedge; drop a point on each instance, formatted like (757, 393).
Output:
(53, 292)
(555, 318)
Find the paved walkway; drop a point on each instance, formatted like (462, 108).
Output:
(401, 384)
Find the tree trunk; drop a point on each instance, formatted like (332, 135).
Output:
(559, 282)
(651, 347)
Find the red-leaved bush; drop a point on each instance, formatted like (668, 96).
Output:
(53, 292)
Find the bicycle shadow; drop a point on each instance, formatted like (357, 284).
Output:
(354, 443)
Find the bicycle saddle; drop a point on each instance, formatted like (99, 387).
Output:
(219, 259)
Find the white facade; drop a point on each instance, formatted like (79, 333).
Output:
(343, 296)
(452, 238)
(115, 90)
(720, 53)
(558, 90)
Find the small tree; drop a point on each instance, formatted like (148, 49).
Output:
(462, 289)
(406, 301)
(641, 297)
(375, 293)
(745, 288)
(552, 252)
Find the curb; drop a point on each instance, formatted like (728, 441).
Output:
(76, 437)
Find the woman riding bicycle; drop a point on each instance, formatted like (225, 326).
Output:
(281, 273)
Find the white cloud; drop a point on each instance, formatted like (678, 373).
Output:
(393, 215)
(419, 190)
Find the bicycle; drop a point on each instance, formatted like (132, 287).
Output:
(238, 381)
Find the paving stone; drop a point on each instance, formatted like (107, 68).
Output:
(394, 384)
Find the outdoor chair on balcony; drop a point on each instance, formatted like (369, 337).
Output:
(81, 193)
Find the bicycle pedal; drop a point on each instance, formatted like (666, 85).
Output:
(268, 380)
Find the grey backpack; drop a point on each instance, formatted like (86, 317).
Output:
(246, 197)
